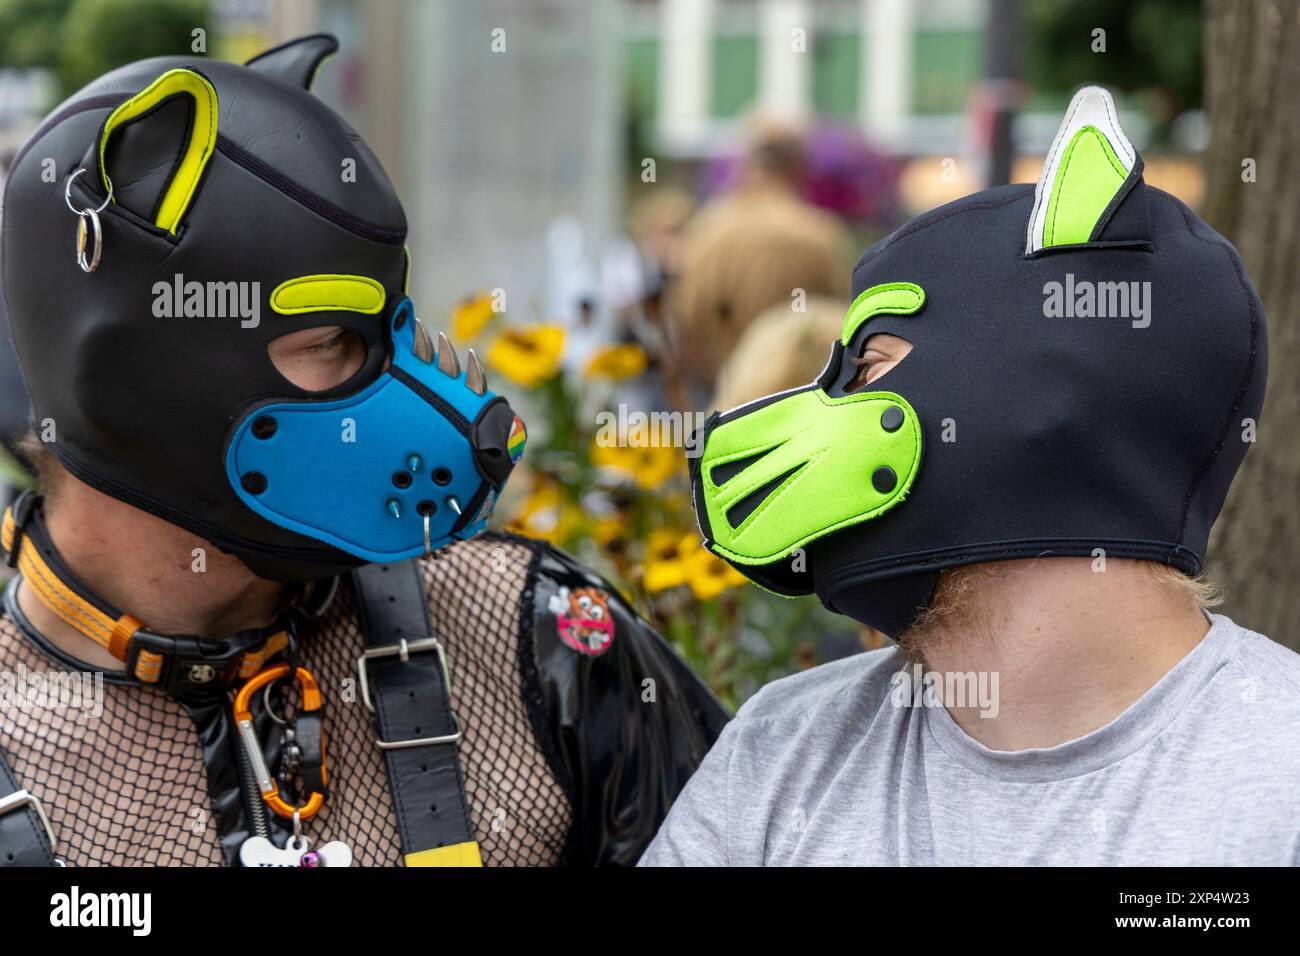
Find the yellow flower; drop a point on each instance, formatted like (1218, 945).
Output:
(529, 355)
(617, 362)
(608, 529)
(708, 575)
(545, 514)
(664, 567)
(649, 466)
(471, 317)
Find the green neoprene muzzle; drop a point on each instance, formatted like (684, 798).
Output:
(789, 472)
(781, 473)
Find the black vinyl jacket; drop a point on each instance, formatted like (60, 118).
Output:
(623, 758)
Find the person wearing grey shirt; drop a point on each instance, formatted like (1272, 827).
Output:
(1084, 739)
(1010, 466)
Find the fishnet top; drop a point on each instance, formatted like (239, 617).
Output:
(128, 786)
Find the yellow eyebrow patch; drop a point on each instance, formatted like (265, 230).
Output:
(328, 293)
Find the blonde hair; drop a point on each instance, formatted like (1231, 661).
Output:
(1201, 588)
(781, 349)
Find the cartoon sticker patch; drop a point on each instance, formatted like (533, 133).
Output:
(582, 619)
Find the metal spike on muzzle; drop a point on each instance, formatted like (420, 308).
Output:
(448, 361)
(475, 377)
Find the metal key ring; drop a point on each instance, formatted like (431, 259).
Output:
(88, 229)
(67, 193)
(270, 711)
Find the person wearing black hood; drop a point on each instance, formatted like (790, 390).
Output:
(1011, 463)
(259, 572)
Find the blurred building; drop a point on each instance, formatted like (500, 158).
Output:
(697, 66)
(907, 74)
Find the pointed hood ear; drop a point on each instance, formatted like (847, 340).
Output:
(297, 61)
(1091, 190)
(152, 150)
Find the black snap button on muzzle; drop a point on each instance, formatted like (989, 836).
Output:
(264, 426)
(254, 482)
(883, 479)
(891, 419)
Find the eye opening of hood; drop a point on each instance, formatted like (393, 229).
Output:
(320, 359)
(880, 352)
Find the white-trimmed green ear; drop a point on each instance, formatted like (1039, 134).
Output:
(1086, 168)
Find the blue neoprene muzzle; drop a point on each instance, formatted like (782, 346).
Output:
(408, 464)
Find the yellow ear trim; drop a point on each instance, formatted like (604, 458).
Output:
(203, 137)
(328, 293)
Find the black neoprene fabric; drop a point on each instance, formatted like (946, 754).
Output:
(143, 406)
(1048, 435)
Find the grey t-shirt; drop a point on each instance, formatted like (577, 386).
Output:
(825, 768)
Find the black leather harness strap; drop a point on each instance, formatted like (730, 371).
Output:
(26, 837)
(404, 681)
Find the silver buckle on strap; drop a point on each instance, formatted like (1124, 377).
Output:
(403, 650)
(20, 800)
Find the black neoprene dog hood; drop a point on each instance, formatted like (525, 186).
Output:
(1088, 366)
(237, 180)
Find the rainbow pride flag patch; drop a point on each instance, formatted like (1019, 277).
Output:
(516, 440)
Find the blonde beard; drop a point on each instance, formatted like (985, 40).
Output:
(955, 612)
(961, 610)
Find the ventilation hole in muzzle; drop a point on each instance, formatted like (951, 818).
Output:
(747, 505)
(723, 473)
(441, 476)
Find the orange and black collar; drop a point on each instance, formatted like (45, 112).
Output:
(176, 663)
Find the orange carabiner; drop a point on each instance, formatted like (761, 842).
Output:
(266, 783)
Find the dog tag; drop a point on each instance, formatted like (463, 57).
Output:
(261, 852)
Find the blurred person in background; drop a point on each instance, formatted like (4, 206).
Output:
(759, 245)
(782, 348)
(657, 224)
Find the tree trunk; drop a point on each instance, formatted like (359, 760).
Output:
(1252, 80)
